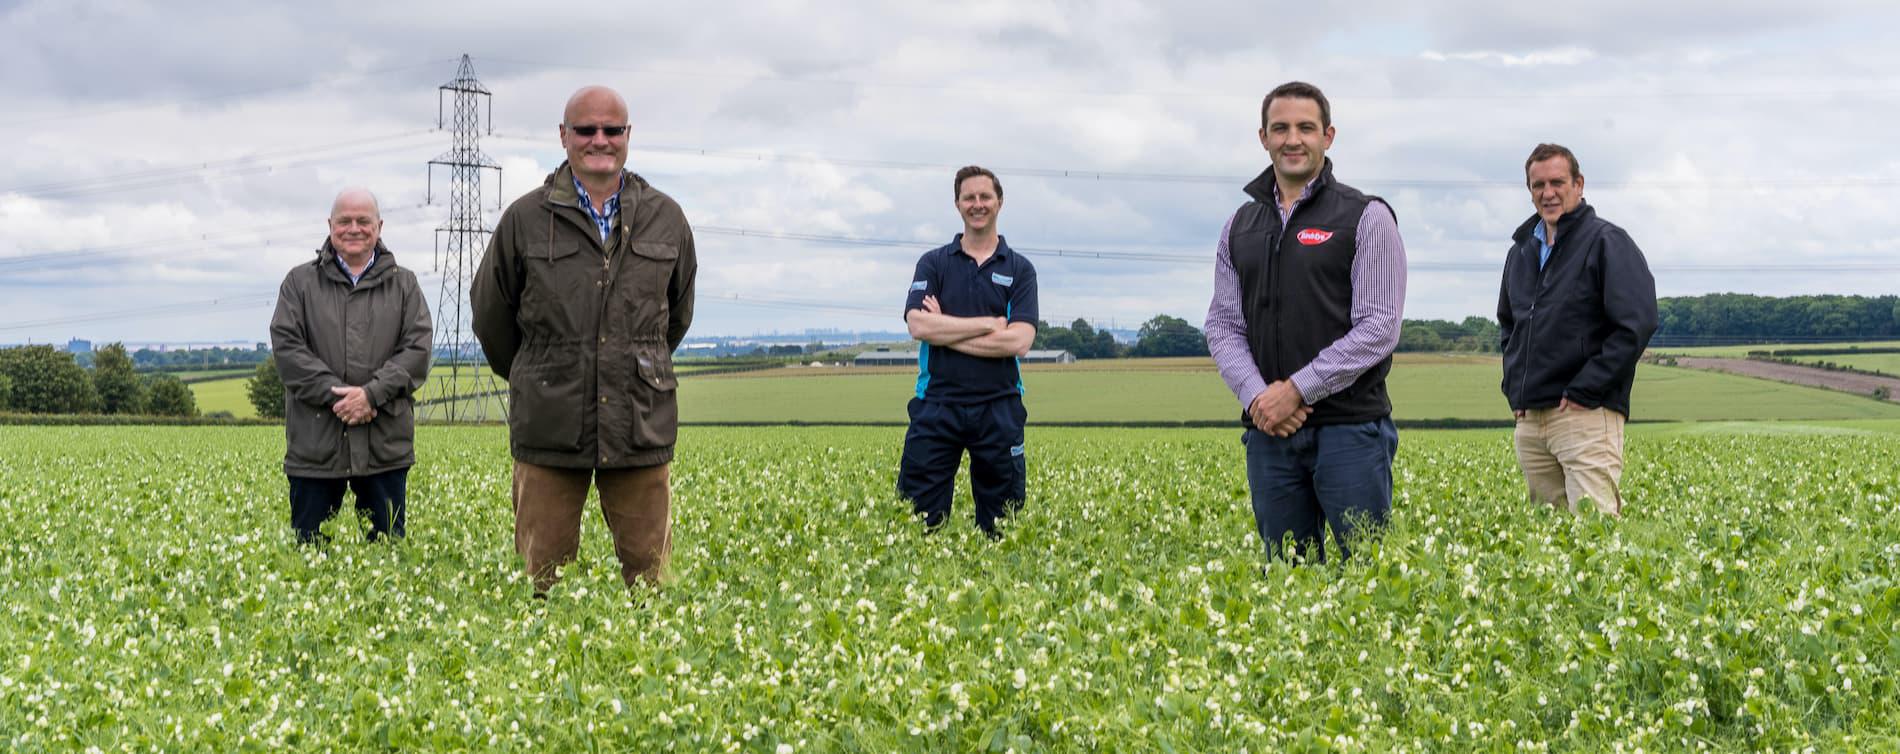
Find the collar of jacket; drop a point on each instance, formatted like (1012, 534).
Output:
(1261, 187)
(561, 193)
(326, 264)
(1565, 224)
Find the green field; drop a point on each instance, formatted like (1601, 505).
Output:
(1747, 601)
(231, 395)
(1423, 386)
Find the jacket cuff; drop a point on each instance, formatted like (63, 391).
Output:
(376, 393)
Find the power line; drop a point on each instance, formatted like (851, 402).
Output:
(56, 259)
(198, 167)
(1189, 94)
(321, 81)
(1088, 174)
(111, 185)
(74, 257)
(205, 306)
(1208, 257)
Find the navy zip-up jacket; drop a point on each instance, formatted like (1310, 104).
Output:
(1575, 328)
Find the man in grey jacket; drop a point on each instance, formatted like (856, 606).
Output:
(351, 337)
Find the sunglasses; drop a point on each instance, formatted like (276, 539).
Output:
(588, 131)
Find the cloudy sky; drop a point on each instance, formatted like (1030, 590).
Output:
(167, 166)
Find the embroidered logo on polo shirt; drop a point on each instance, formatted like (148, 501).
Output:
(1314, 236)
(918, 285)
(1001, 279)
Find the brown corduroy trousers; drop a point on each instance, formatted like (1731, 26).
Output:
(635, 502)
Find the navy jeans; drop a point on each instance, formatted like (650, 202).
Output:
(381, 498)
(933, 448)
(1338, 475)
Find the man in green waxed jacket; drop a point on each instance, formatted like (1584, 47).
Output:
(351, 337)
(584, 292)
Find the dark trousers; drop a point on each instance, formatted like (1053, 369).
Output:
(381, 498)
(939, 434)
(1338, 475)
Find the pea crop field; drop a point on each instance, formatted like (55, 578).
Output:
(1747, 601)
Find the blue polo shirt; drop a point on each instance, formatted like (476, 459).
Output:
(1003, 286)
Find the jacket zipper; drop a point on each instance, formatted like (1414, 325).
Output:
(1523, 369)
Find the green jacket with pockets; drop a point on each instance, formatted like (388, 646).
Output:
(584, 330)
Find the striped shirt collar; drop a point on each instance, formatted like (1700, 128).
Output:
(357, 278)
(603, 221)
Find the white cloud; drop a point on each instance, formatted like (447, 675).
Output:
(1712, 137)
(1554, 56)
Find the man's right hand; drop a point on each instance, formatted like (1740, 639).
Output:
(1292, 423)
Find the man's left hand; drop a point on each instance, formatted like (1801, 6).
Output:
(353, 407)
(1275, 405)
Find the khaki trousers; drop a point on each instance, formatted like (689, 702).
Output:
(1570, 456)
(636, 504)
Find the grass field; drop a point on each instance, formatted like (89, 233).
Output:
(225, 395)
(1423, 386)
(1748, 601)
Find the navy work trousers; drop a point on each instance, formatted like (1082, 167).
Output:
(381, 498)
(1338, 475)
(939, 434)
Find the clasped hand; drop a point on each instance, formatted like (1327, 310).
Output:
(353, 407)
(1279, 410)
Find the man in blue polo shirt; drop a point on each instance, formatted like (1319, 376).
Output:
(973, 304)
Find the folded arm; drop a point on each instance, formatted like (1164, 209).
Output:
(932, 326)
(1011, 341)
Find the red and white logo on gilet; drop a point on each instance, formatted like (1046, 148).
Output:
(1314, 236)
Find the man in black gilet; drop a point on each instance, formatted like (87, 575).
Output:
(1309, 287)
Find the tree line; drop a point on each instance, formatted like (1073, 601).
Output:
(44, 380)
(1173, 336)
(1724, 318)
(150, 360)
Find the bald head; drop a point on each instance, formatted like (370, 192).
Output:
(594, 133)
(590, 99)
(355, 200)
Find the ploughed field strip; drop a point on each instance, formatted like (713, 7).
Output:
(1812, 376)
(1747, 602)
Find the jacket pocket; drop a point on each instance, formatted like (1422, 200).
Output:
(556, 288)
(392, 435)
(657, 397)
(649, 269)
(312, 435)
(546, 411)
